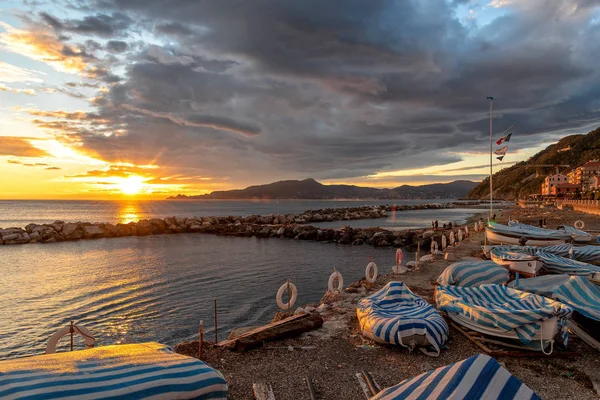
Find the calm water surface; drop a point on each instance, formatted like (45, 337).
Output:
(137, 289)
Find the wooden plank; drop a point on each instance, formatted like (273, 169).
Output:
(465, 334)
(583, 335)
(363, 385)
(262, 391)
(311, 388)
(285, 328)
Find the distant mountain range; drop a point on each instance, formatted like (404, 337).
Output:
(311, 189)
(526, 177)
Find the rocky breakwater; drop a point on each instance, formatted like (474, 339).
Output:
(290, 226)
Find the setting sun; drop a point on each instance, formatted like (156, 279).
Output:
(133, 184)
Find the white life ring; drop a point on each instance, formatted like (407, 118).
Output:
(460, 235)
(434, 247)
(371, 272)
(340, 282)
(444, 242)
(291, 301)
(90, 340)
(452, 238)
(579, 224)
(399, 256)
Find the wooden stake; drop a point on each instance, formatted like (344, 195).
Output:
(216, 326)
(201, 355)
(71, 330)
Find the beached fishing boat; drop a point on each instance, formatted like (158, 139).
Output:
(516, 261)
(506, 313)
(477, 377)
(473, 273)
(575, 291)
(505, 234)
(125, 371)
(395, 315)
(577, 235)
(562, 265)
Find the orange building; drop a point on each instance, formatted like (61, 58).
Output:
(551, 181)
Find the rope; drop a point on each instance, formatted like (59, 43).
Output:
(542, 341)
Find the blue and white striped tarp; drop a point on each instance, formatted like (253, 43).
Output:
(575, 291)
(588, 254)
(497, 306)
(574, 232)
(394, 314)
(128, 371)
(474, 273)
(562, 265)
(477, 377)
(530, 250)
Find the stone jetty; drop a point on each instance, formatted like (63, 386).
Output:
(291, 226)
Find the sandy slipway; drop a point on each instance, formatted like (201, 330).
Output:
(291, 226)
(334, 353)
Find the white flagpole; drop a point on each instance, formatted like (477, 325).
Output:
(491, 99)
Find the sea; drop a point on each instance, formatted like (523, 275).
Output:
(159, 288)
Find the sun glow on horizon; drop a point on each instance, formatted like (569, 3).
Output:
(131, 185)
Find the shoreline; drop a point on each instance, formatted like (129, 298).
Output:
(290, 226)
(334, 353)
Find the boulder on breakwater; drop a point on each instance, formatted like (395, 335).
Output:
(290, 226)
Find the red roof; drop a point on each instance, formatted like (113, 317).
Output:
(592, 164)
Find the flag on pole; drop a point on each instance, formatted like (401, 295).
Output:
(502, 151)
(506, 135)
(500, 158)
(504, 139)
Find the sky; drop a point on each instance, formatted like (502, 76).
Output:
(111, 99)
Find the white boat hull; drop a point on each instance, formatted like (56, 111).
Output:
(582, 238)
(499, 238)
(530, 267)
(547, 331)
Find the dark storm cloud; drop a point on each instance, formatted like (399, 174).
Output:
(116, 46)
(261, 90)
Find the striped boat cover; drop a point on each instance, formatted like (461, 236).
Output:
(394, 313)
(496, 306)
(477, 377)
(528, 231)
(531, 250)
(562, 265)
(128, 371)
(573, 231)
(588, 254)
(508, 255)
(575, 291)
(474, 273)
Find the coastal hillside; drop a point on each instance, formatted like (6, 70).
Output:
(311, 189)
(524, 178)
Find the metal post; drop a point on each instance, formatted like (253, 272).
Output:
(201, 355)
(216, 326)
(491, 99)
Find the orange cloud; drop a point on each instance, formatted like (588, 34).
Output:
(4, 88)
(42, 45)
(20, 147)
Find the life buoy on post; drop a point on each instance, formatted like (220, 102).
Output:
(579, 224)
(452, 238)
(371, 272)
(444, 243)
(434, 247)
(90, 340)
(399, 256)
(291, 300)
(340, 282)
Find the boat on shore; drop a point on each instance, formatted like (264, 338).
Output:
(516, 261)
(577, 235)
(513, 234)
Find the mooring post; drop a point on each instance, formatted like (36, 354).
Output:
(71, 330)
(216, 325)
(201, 355)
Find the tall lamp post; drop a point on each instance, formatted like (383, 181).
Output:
(491, 99)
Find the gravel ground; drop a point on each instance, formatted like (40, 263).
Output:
(339, 352)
